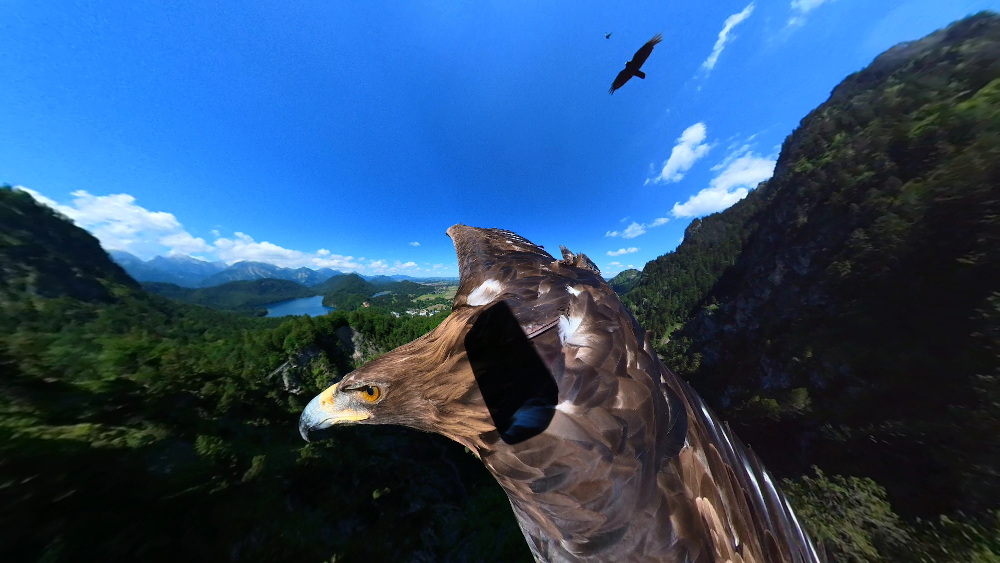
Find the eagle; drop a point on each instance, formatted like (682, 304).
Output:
(604, 453)
(632, 67)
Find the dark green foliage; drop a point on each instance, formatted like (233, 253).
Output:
(387, 331)
(136, 428)
(65, 261)
(957, 539)
(848, 517)
(671, 286)
(350, 292)
(850, 320)
(624, 281)
(868, 277)
(243, 296)
(347, 283)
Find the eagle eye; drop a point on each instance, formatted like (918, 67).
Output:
(370, 393)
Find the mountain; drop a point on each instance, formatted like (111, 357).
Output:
(186, 271)
(846, 314)
(187, 267)
(671, 285)
(60, 260)
(191, 272)
(181, 270)
(243, 296)
(348, 292)
(624, 281)
(247, 270)
(379, 279)
(392, 278)
(127, 260)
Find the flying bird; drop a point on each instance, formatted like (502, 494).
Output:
(604, 453)
(608, 35)
(632, 67)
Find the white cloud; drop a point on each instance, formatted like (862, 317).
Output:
(708, 201)
(615, 264)
(690, 147)
(334, 261)
(243, 247)
(724, 38)
(733, 183)
(119, 223)
(734, 151)
(636, 229)
(746, 171)
(184, 243)
(414, 243)
(801, 8)
(621, 251)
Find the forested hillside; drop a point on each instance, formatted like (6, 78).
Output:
(847, 314)
(250, 297)
(137, 428)
(351, 291)
(37, 263)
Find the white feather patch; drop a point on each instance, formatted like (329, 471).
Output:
(567, 407)
(567, 330)
(485, 293)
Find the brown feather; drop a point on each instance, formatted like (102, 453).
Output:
(605, 454)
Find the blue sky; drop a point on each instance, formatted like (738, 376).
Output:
(351, 135)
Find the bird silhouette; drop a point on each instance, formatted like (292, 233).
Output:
(604, 453)
(608, 35)
(632, 67)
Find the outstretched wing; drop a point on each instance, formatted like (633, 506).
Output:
(620, 80)
(643, 53)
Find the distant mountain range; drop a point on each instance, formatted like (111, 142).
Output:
(244, 271)
(181, 270)
(192, 272)
(186, 271)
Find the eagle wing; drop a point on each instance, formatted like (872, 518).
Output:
(599, 420)
(643, 53)
(620, 80)
(602, 450)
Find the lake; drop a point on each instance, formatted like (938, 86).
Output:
(312, 306)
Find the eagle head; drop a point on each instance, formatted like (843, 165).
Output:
(427, 384)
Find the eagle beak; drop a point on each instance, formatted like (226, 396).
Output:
(325, 410)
